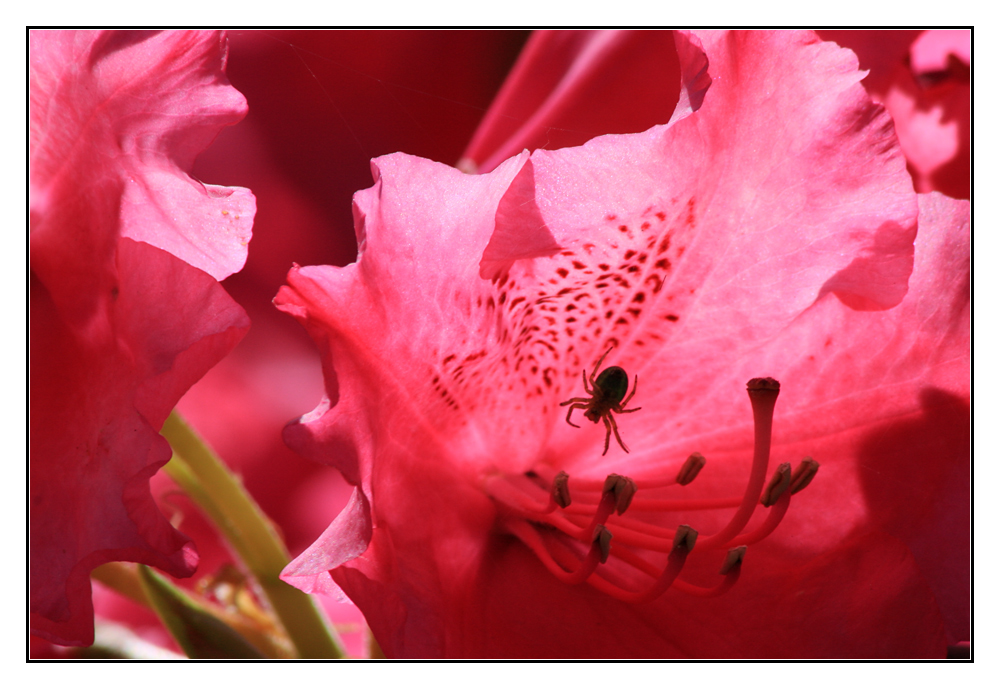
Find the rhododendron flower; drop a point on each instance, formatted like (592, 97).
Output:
(767, 230)
(126, 310)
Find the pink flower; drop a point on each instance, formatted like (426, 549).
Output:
(126, 310)
(771, 232)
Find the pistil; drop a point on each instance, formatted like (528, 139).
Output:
(763, 395)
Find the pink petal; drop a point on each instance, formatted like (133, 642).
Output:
(930, 52)
(346, 538)
(120, 328)
(934, 129)
(97, 402)
(122, 116)
(707, 251)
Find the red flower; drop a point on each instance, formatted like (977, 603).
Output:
(769, 233)
(126, 311)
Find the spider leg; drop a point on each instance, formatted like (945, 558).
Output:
(634, 386)
(607, 438)
(587, 388)
(615, 427)
(579, 400)
(597, 366)
(577, 405)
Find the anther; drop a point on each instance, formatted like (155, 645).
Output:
(623, 488)
(778, 484)
(602, 539)
(803, 474)
(560, 490)
(685, 538)
(692, 466)
(734, 558)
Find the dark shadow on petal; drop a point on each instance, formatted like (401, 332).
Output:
(915, 474)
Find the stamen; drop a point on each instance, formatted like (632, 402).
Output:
(623, 488)
(584, 485)
(635, 533)
(778, 484)
(804, 474)
(683, 544)
(618, 492)
(774, 516)
(560, 490)
(685, 539)
(504, 492)
(581, 486)
(599, 548)
(805, 471)
(537, 508)
(730, 568)
(683, 505)
(734, 558)
(602, 539)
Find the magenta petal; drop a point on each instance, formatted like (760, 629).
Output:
(97, 403)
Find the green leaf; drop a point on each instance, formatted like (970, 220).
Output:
(221, 496)
(198, 632)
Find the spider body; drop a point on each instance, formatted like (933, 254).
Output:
(607, 397)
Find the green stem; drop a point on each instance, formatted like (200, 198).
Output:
(220, 494)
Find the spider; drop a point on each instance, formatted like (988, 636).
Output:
(606, 396)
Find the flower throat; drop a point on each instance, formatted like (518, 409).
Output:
(575, 526)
